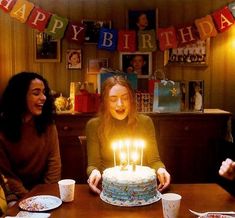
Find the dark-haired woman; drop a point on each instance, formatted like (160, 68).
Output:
(29, 148)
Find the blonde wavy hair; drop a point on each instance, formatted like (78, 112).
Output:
(106, 121)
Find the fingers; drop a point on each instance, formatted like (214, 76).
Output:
(93, 181)
(164, 179)
(227, 169)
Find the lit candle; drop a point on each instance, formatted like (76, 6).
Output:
(128, 150)
(134, 159)
(114, 145)
(120, 143)
(141, 152)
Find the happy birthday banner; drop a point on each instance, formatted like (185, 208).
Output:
(122, 40)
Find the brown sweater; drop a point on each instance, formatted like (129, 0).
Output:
(33, 160)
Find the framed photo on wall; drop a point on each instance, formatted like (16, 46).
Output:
(196, 95)
(92, 29)
(142, 19)
(139, 63)
(194, 54)
(94, 65)
(45, 48)
(74, 59)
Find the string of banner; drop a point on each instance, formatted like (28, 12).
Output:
(121, 40)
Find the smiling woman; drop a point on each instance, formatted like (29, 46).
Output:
(29, 148)
(119, 118)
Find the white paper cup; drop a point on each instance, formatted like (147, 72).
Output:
(66, 188)
(171, 205)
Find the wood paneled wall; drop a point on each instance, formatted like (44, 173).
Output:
(16, 45)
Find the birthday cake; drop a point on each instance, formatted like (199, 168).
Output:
(129, 187)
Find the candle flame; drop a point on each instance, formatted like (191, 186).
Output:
(114, 145)
(134, 156)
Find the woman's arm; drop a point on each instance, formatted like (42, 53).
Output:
(93, 146)
(16, 188)
(53, 173)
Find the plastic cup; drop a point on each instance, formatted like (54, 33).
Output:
(171, 205)
(66, 188)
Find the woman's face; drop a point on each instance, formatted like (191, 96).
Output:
(138, 62)
(142, 21)
(119, 102)
(74, 59)
(35, 98)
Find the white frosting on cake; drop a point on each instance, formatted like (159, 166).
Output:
(128, 187)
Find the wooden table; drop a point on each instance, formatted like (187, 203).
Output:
(199, 197)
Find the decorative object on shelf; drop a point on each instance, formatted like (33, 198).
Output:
(74, 59)
(139, 63)
(46, 49)
(195, 54)
(92, 29)
(196, 95)
(94, 66)
(63, 103)
(144, 101)
(167, 97)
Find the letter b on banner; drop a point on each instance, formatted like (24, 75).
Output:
(107, 39)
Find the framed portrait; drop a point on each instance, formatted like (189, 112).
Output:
(74, 59)
(139, 63)
(142, 19)
(194, 54)
(92, 29)
(196, 95)
(46, 49)
(94, 65)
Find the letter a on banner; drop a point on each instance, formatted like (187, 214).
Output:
(223, 18)
(107, 39)
(21, 10)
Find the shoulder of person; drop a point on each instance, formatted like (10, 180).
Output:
(144, 118)
(93, 122)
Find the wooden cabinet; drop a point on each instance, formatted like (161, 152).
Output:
(189, 144)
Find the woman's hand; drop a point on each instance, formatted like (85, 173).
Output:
(164, 179)
(93, 181)
(227, 169)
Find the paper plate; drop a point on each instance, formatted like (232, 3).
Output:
(40, 203)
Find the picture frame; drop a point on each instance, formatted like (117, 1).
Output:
(92, 29)
(45, 48)
(196, 95)
(142, 19)
(73, 59)
(136, 62)
(194, 54)
(94, 65)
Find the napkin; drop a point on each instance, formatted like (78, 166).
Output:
(26, 214)
(211, 215)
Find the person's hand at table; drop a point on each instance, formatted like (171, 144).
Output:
(164, 179)
(93, 181)
(227, 169)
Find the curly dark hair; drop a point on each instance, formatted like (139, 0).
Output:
(13, 105)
